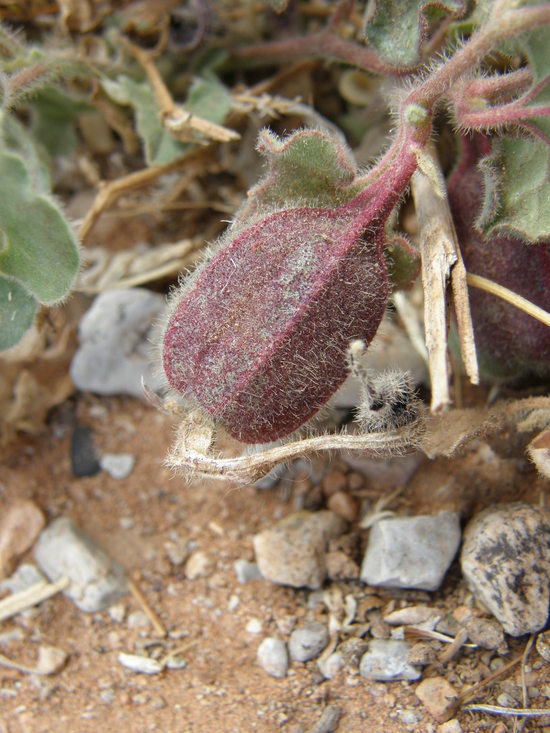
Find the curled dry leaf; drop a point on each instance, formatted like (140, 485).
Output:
(539, 452)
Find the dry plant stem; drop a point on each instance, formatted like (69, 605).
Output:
(140, 598)
(438, 255)
(413, 326)
(191, 451)
(477, 281)
(110, 191)
(475, 689)
(30, 597)
(438, 237)
(180, 123)
(518, 712)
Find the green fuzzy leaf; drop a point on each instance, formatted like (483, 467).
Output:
(37, 245)
(18, 140)
(17, 311)
(403, 262)
(54, 118)
(207, 98)
(523, 169)
(309, 168)
(536, 46)
(397, 28)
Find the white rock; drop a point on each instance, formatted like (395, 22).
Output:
(115, 336)
(138, 663)
(96, 580)
(273, 657)
(386, 660)
(118, 465)
(411, 552)
(505, 560)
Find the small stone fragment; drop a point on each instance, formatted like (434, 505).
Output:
(114, 335)
(412, 616)
(247, 571)
(307, 642)
(331, 665)
(340, 566)
(51, 659)
(20, 524)
(24, 577)
(292, 552)
(411, 552)
(453, 726)
(439, 697)
(84, 458)
(422, 654)
(118, 465)
(140, 664)
(506, 562)
(97, 581)
(334, 481)
(486, 633)
(273, 657)
(387, 660)
(543, 645)
(199, 565)
(344, 504)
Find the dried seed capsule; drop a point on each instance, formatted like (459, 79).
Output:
(259, 335)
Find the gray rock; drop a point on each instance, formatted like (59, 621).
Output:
(411, 552)
(292, 552)
(273, 657)
(247, 571)
(115, 348)
(331, 665)
(506, 562)
(96, 581)
(24, 577)
(308, 642)
(118, 465)
(386, 660)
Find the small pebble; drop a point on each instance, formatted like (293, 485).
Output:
(411, 552)
(344, 504)
(334, 481)
(292, 552)
(140, 664)
(387, 660)
(20, 524)
(543, 645)
(412, 616)
(439, 697)
(118, 465)
(307, 642)
(199, 565)
(273, 657)
(506, 562)
(24, 577)
(96, 580)
(486, 633)
(453, 726)
(117, 613)
(138, 620)
(331, 665)
(84, 458)
(247, 571)
(51, 660)
(340, 566)
(254, 626)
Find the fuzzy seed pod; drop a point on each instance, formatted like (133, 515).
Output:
(510, 343)
(259, 334)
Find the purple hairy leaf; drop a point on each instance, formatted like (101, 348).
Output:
(510, 343)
